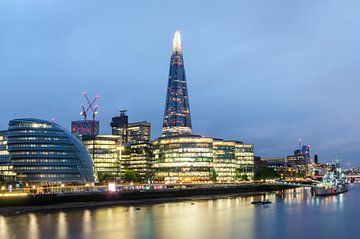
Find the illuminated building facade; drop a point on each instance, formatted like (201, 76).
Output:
(138, 157)
(105, 151)
(183, 159)
(6, 172)
(225, 163)
(192, 158)
(177, 119)
(139, 132)
(244, 156)
(85, 127)
(137, 154)
(43, 152)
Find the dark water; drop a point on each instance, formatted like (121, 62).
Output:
(293, 214)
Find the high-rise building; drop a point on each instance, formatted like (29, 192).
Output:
(177, 119)
(316, 158)
(305, 150)
(105, 151)
(137, 154)
(182, 157)
(43, 152)
(119, 126)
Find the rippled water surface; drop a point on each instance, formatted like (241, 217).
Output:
(293, 214)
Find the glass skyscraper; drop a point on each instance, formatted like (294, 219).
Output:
(177, 119)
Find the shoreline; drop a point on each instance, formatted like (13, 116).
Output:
(11, 211)
(71, 202)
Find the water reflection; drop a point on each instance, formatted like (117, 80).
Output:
(293, 214)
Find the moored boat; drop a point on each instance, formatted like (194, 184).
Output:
(334, 182)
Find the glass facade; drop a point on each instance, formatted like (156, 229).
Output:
(138, 157)
(177, 119)
(244, 156)
(193, 158)
(139, 132)
(6, 170)
(225, 163)
(43, 152)
(183, 159)
(105, 151)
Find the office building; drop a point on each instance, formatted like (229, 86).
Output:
(182, 157)
(138, 157)
(137, 154)
(119, 126)
(138, 132)
(6, 170)
(105, 151)
(43, 152)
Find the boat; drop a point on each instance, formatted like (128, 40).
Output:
(261, 202)
(334, 182)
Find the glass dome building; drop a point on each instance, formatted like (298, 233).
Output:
(44, 152)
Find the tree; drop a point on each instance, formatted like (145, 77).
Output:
(131, 176)
(244, 177)
(213, 175)
(240, 175)
(266, 173)
(105, 177)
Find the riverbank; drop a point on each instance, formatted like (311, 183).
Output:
(50, 202)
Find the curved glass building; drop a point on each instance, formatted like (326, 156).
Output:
(44, 152)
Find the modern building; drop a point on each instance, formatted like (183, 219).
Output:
(105, 151)
(131, 133)
(225, 163)
(138, 157)
(6, 172)
(119, 126)
(316, 158)
(138, 132)
(244, 156)
(137, 154)
(85, 127)
(305, 150)
(43, 152)
(183, 157)
(177, 119)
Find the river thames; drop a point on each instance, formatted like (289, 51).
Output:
(293, 214)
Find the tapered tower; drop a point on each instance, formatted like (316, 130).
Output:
(177, 119)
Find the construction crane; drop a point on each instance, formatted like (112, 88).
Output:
(90, 106)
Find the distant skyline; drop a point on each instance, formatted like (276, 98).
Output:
(263, 72)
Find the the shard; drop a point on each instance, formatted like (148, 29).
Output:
(177, 119)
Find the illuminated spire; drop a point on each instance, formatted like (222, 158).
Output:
(177, 119)
(177, 42)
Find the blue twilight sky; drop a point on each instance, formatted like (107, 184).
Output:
(265, 72)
